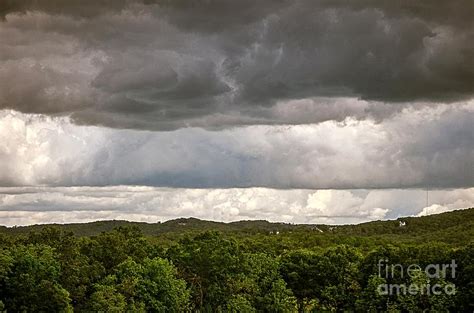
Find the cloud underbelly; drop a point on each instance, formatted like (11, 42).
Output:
(431, 147)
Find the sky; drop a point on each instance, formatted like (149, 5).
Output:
(298, 111)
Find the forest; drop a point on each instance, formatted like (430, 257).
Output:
(189, 265)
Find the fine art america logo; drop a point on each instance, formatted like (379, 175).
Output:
(428, 280)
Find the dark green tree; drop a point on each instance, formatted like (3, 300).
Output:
(29, 280)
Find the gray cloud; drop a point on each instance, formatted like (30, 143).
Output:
(164, 65)
(429, 147)
(74, 8)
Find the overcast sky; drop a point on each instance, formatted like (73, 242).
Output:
(295, 110)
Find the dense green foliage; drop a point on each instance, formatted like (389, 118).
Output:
(191, 265)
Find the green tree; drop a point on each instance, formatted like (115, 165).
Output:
(208, 262)
(112, 248)
(150, 286)
(30, 280)
(373, 297)
(339, 271)
(106, 298)
(302, 272)
(464, 278)
(266, 289)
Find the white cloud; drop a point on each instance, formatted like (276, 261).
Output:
(433, 209)
(30, 205)
(449, 201)
(432, 147)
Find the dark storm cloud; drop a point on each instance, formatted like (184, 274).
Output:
(206, 14)
(171, 64)
(76, 8)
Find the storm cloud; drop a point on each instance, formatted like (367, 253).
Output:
(164, 65)
(302, 111)
(430, 147)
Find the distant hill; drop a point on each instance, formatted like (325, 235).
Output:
(416, 226)
(151, 229)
